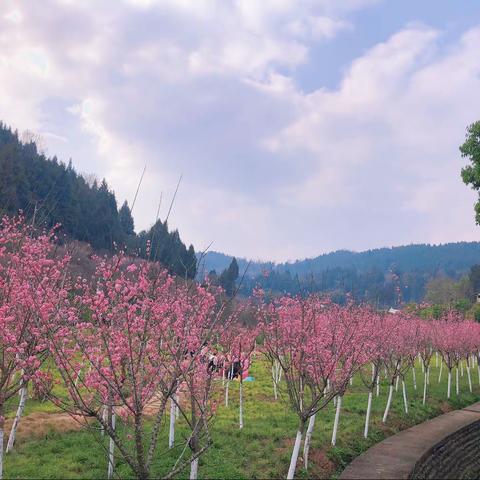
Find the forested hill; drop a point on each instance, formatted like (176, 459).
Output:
(87, 210)
(382, 275)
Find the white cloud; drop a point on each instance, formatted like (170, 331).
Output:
(210, 89)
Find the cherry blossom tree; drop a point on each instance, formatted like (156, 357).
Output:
(315, 344)
(136, 334)
(32, 292)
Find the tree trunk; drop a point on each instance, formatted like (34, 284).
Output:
(449, 383)
(404, 389)
(308, 439)
(457, 386)
(2, 427)
(296, 449)
(104, 418)
(440, 374)
(194, 469)
(414, 378)
(241, 403)
(13, 431)
(469, 379)
(171, 432)
(389, 401)
(337, 419)
(274, 376)
(111, 447)
(425, 387)
(367, 418)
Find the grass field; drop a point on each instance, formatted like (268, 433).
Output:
(261, 450)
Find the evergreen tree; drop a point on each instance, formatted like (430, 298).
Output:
(228, 278)
(126, 220)
(86, 211)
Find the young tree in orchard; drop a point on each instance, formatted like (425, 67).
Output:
(374, 353)
(239, 342)
(448, 341)
(317, 347)
(31, 296)
(136, 334)
(399, 349)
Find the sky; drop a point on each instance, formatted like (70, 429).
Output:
(299, 126)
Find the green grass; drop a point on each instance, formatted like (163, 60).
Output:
(262, 449)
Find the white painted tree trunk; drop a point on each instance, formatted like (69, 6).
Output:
(367, 418)
(449, 383)
(104, 418)
(274, 376)
(396, 383)
(440, 374)
(226, 392)
(111, 448)
(293, 460)
(241, 405)
(389, 401)
(194, 469)
(478, 369)
(461, 368)
(469, 379)
(337, 419)
(1, 451)
(13, 431)
(171, 431)
(378, 384)
(405, 403)
(308, 439)
(436, 359)
(414, 378)
(457, 386)
(425, 377)
(351, 381)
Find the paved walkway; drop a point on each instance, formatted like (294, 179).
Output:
(396, 456)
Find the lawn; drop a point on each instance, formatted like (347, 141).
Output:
(262, 449)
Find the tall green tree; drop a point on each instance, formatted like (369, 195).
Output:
(126, 220)
(229, 277)
(470, 149)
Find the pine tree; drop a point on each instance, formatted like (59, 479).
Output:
(126, 220)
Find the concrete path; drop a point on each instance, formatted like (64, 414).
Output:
(396, 456)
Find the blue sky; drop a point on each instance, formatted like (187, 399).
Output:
(299, 126)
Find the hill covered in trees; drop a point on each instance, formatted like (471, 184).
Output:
(385, 275)
(52, 192)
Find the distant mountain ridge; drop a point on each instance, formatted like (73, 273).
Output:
(449, 258)
(384, 276)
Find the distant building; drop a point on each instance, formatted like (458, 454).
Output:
(393, 310)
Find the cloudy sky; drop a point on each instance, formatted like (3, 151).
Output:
(300, 126)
